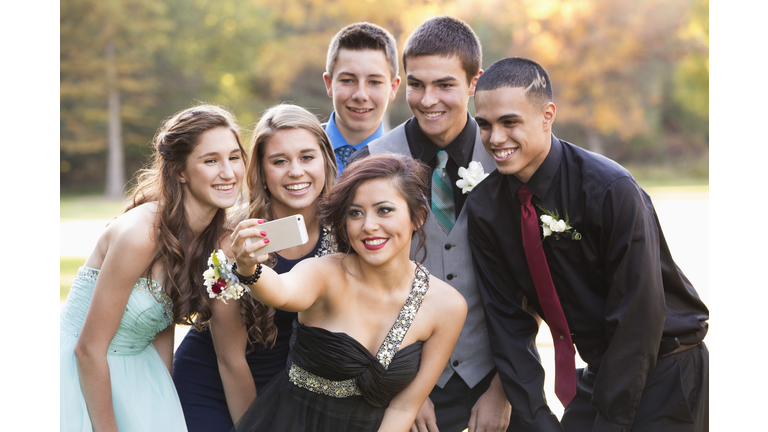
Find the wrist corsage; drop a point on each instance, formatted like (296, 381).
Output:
(221, 281)
(551, 224)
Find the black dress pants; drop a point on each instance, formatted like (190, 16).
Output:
(675, 398)
(454, 402)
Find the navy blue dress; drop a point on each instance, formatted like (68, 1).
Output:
(196, 371)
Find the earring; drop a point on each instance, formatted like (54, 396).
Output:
(264, 185)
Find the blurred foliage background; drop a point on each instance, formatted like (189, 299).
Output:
(631, 77)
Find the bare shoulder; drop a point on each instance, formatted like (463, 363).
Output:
(444, 299)
(131, 233)
(127, 246)
(327, 274)
(136, 228)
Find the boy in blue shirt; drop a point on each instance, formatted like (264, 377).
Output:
(361, 77)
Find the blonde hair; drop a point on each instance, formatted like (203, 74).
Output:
(277, 118)
(258, 318)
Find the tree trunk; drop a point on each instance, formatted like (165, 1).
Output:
(115, 163)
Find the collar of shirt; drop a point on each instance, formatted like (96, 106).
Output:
(540, 181)
(337, 139)
(459, 150)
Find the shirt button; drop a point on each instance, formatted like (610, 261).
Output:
(561, 338)
(448, 247)
(450, 276)
(455, 363)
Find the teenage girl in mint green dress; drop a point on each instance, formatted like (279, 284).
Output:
(143, 276)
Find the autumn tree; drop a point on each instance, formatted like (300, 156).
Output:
(608, 59)
(625, 72)
(107, 85)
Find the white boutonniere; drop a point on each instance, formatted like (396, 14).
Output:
(220, 281)
(470, 176)
(552, 225)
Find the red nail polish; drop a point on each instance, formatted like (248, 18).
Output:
(266, 240)
(263, 233)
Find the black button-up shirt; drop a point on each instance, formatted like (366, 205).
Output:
(423, 149)
(620, 290)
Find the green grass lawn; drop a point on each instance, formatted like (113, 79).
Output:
(88, 207)
(73, 207)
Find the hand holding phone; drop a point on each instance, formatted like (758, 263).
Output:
(283, 234)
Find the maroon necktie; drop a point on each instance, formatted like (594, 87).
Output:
(565, 365)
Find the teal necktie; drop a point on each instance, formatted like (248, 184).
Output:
(443, 206)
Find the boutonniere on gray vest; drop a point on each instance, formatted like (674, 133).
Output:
(470, 176)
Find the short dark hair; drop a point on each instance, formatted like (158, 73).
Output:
(446, 36)
(410, 177)
(363, 36)
(518, 72)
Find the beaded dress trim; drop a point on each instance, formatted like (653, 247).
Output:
(155, 289)
(396, 334)
(327, 243)
(387, 351)
(323, 386)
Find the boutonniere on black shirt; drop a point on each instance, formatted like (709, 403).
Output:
(470, 176)
(552, 225)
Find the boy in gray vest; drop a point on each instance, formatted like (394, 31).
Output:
(442, 60)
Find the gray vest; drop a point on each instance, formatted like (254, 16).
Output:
(449, 258)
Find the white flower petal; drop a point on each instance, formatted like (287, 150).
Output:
(546, 230)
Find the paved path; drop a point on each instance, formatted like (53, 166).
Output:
(684, 219)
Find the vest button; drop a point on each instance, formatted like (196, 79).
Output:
(455, 363)
(450, 276)
(448, 247)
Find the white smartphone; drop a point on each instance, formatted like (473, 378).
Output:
(282, 234)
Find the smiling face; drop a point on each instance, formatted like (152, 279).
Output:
(294, 171)
(361, 86)
(437, 92)
(214, 171)
(515, 132)
(379, 223)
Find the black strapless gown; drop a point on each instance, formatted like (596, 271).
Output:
(334, 383)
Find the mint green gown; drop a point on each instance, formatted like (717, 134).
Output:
(143, 395)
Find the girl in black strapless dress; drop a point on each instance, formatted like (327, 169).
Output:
(374, 330)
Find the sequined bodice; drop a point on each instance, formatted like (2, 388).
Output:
(337, 365)
(148, 311)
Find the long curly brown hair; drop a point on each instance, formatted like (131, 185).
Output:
(183, 255)
(257, 317)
